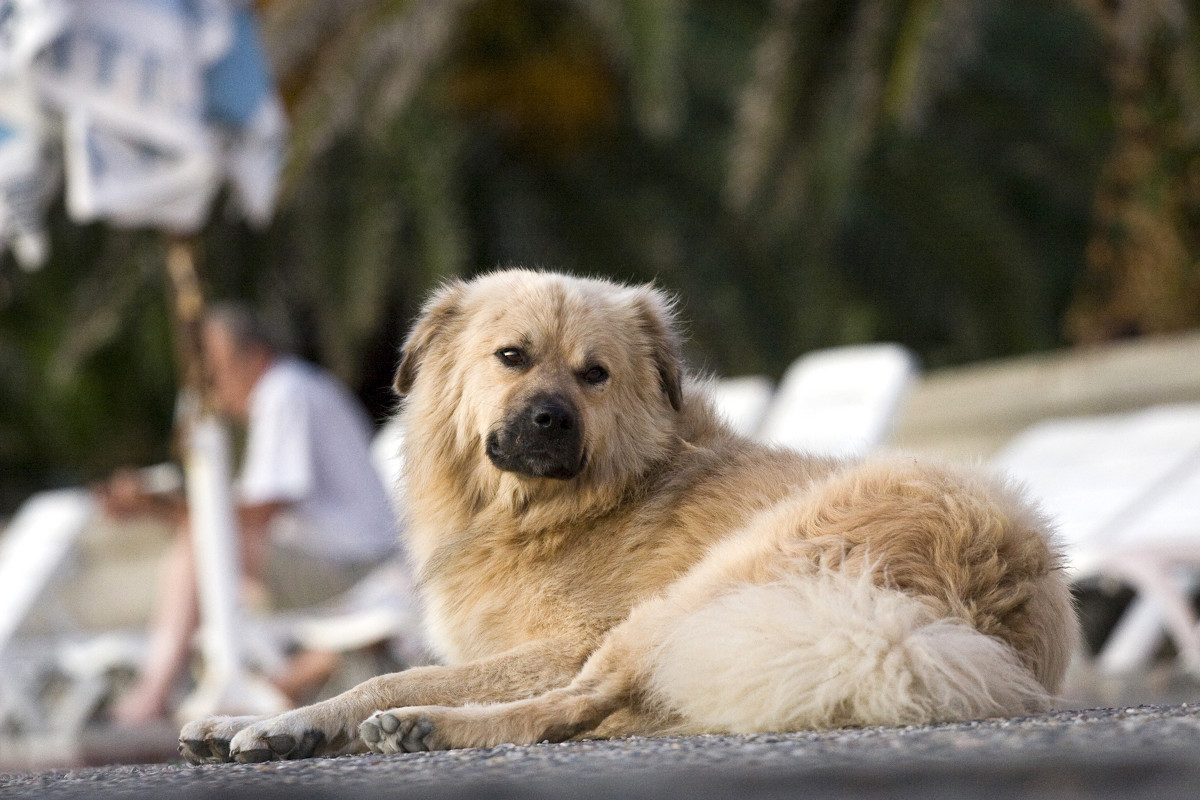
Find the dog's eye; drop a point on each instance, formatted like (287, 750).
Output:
(595, 375)
(512, 356)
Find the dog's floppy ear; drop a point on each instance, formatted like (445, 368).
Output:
(441, 308)
(657, 314)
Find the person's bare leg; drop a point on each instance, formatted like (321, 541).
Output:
(305, 673)
(175, 619)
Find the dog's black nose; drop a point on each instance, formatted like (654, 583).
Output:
(551, 417)
(543, 439)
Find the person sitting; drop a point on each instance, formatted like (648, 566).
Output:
(313, 514)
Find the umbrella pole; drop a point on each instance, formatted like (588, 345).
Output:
(225, 685)
(187, 306)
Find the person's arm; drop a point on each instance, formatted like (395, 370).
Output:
(126, 495)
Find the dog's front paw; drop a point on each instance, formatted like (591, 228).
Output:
(403, 730)
(206, 741)
(282, 738)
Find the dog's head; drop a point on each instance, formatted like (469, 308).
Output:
(543, 377)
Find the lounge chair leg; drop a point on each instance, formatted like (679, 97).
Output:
(1136, 637)
(1158, 583)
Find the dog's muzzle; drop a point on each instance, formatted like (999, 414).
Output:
(544, 439)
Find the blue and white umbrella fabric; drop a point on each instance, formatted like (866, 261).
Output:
(152, 104)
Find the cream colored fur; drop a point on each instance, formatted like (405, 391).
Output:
(830, 650)
(685, 579)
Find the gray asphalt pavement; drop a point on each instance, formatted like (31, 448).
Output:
(1144, 752)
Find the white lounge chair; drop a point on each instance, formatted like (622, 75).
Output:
(743, 401)
(380, 609)
(840, 401)
(1125, 492)
(33, 546)
(32, 550)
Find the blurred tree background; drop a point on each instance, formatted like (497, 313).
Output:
(974, 179)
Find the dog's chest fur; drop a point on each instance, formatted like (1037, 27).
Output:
(491, 591)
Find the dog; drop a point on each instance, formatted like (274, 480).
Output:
(599, 555)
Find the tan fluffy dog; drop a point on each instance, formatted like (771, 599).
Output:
(600, 556)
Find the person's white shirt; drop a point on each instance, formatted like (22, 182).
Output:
(308, 445)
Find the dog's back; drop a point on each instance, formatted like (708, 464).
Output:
(888, 593)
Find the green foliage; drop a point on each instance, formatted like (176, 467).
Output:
(86, 377)
(966, 236)
(801, 172)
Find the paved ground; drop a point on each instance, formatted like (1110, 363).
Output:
(1144, 752)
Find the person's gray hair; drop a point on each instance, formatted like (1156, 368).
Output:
(246, 326)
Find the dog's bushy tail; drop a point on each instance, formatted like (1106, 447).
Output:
(831, 650)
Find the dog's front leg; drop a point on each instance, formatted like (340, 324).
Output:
(331, 726)
(610, 681)
(555, 716)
